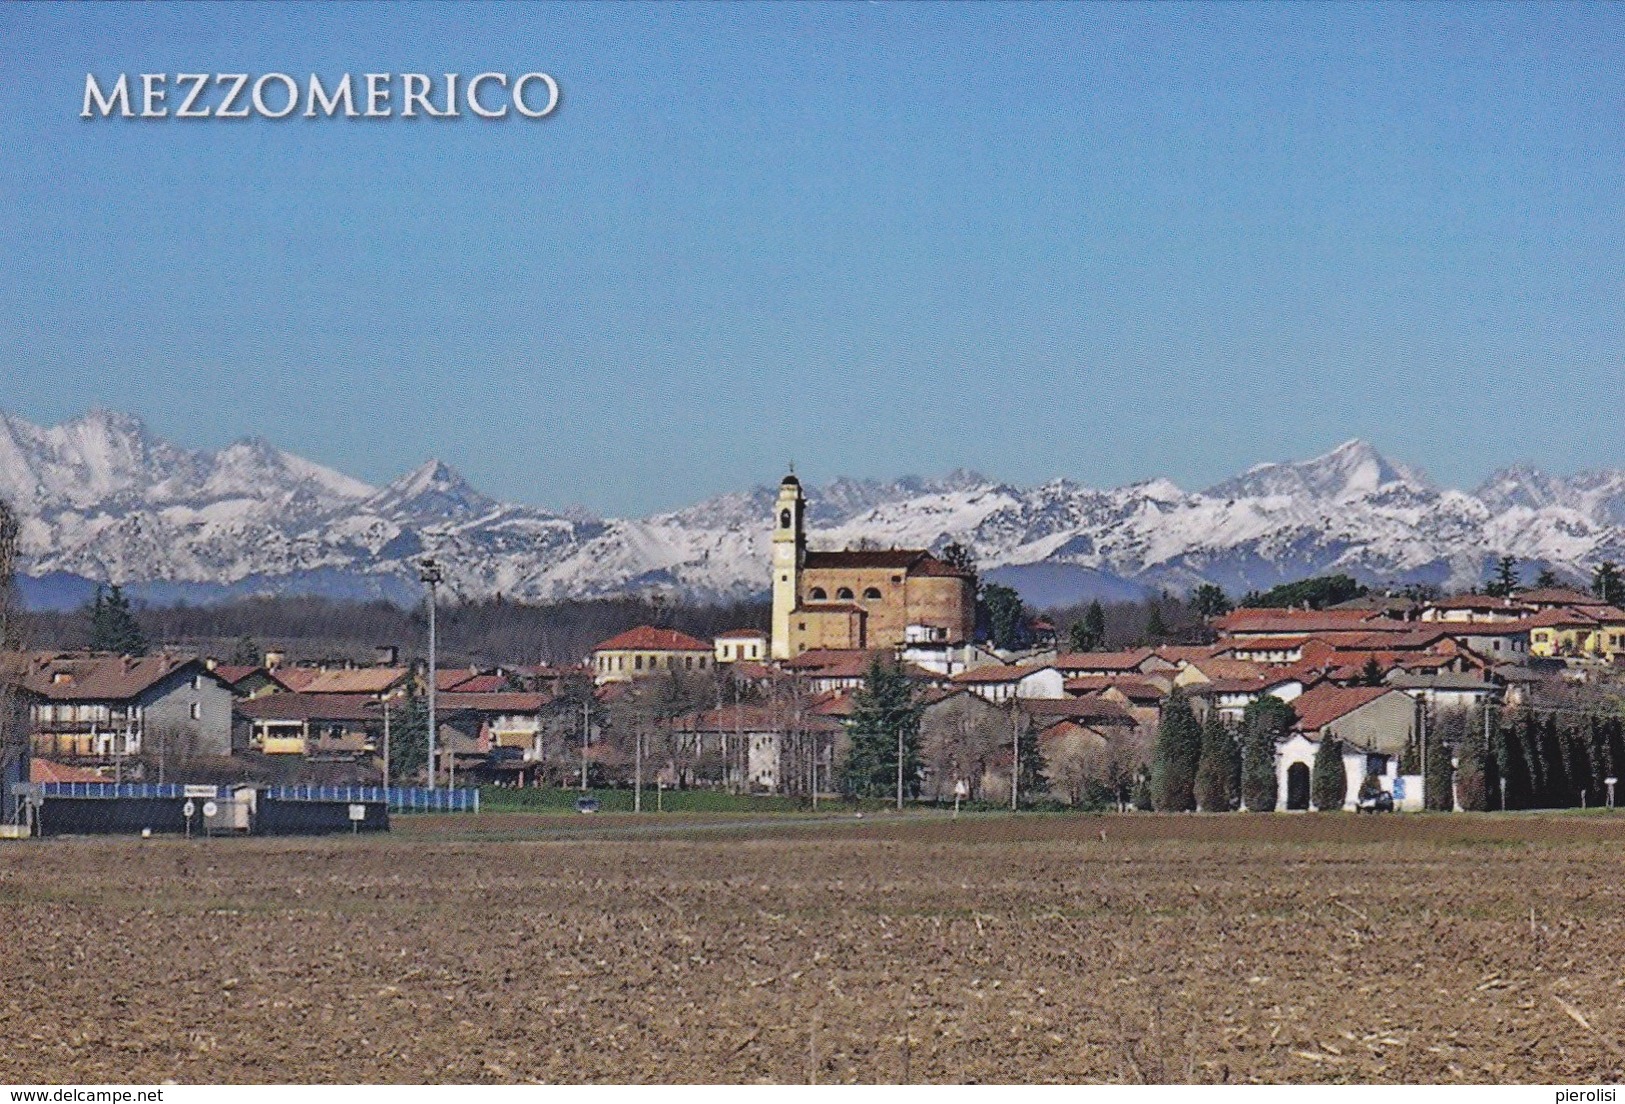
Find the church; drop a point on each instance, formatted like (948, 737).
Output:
(866, 598)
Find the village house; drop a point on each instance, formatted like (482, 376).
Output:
(746, 746)
(1593, 631)
(999, 682)
(1375, 724)
(646, 650)
(1138, 661)
(102, 710)
(741, 645)
(323, 727)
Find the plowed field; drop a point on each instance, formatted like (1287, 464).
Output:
(1136, 948)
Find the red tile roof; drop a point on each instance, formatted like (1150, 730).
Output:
(1092, 709)
(355, 680)
(47, 770)
(1321, 706)
(998, 672)
(289, 706)
(910, 561)
(754, 718)
(511, 701)
(83, 676)
(647, 638)
(1102, 661)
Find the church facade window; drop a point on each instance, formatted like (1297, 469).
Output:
(784, 519)
(844, 593)
(872, 593)
(818, 594)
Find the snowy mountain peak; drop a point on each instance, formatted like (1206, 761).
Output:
(434, 493)
(1353, 469)
(103, 499)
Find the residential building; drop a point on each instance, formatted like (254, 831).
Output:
(741, 645)
(646, 650)
(1374, 723)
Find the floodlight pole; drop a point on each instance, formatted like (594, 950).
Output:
(429, 571)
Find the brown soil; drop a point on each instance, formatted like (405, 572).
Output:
(1237, 948)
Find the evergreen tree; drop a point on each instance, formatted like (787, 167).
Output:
(1371, 673)
(1329, 779)
(1209, 600)
(958, 556)
(1608, 584)
(1005, 616)
(1078, 639)
(1034, 783)
(113, 627)
(1216, 769)
(1546, 578)
(1316, 593)
(1265, 723)
(408, 739)
(1438, 775)
(1176, 755)
(246, 652)
(1477, 772)
(1094, 622)
(1155, 629)
(1505, 581)
(884, 712)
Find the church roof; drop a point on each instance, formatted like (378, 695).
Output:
(647, 638)
(914, 561)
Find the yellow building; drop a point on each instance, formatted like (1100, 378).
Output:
(645, 650)
(867, 598)
(1594, 631)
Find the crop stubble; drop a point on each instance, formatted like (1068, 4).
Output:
(1204, 949)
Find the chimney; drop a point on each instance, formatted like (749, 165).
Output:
(273, 660)
(210, 662)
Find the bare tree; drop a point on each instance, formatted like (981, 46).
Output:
(14, 733)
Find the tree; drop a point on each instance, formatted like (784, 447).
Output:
(1505, 581)
(1176, 755)
(1437, 775)
(958, 556)
(1142, 792)
(13, 721)
(1215, 770)
(885, 715)
(1264, 724)
(1005, 615)
(1209, 600)
(246, 652)
(1329, 780)
(1316, 593)
(1371, 673)
(113, 627)
(1032, 780)
(408, 738)
(1477, 771)
(1547, 578)
(1089, 632)
(1608, 584)
(1155, 629)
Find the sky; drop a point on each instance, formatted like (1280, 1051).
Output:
(1093, 241)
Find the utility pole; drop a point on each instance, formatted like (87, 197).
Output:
(1015, 755)
(430, 573)
(386, 747)
(637, 769)
(586, 729)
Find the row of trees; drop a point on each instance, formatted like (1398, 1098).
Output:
(1536, 758)
(1211, 767)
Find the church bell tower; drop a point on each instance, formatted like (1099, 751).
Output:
(789, 550)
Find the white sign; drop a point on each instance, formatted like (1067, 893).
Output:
(188, 809)
(198, 791)
(961, 789)
(210, 808)
(358, 812)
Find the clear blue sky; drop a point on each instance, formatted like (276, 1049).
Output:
(1094, 241)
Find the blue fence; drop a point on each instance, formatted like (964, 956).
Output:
(401, 799)
(111, 790)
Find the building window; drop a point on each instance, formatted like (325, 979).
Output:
(818, 594)
(688, 662)
(197, 711)
(637, 663)
(844, 593)
(872, 593)
(702, 663)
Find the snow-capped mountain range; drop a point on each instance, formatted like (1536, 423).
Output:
(101, 499)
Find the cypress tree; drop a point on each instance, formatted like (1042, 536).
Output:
(1437, 792)
(1264, 724)
(113, 627)
(1175, 758)
(1215, 770)
(1094, 623)
(1329, 782)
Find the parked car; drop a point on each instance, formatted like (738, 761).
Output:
(1380, 802)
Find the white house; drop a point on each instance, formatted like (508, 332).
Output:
(748, 645)
(998, 682)
(1375, 724)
